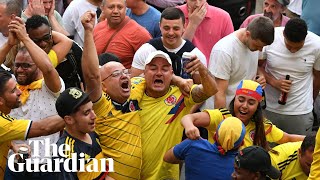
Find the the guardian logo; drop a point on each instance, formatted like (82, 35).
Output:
(58, 159)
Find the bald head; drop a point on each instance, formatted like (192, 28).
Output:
(109, 67)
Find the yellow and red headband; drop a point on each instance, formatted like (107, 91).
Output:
(250, 88)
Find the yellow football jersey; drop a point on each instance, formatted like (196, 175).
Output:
(315, 167)
(10, 129)
(287, 161)
(273, 134)
(119, 132)
(161, 130)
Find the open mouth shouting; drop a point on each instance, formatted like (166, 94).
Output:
(125, 86)
(158, 82)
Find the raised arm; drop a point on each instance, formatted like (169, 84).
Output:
(208, 86)
(39, 57)
(62, 45)
(56, 26)
(90, 62)
(195, 18)
(6, 47)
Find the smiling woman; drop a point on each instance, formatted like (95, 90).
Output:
(246, 107)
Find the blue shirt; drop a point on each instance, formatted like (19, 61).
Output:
(310, 13)
(149, 20)
(203, 160)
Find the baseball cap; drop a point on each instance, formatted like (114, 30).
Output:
(160, 54)
(256, 159)
(230, 133)
(283, 2)
(69, 100)
(250, 88)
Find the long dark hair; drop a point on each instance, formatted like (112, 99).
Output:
(259, 138)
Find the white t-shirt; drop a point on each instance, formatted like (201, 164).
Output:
(3, 39)
(71, 19)
(40, 105)
(142, 53)
(299, 65)
(231, 60)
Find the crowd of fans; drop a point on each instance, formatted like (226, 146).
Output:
(111, 79)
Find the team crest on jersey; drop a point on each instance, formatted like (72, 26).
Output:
(131, 106)
(136, 80)
(171, 100)
(251, 135)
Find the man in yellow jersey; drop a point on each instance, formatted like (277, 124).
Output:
(118, 121)
(315, 166)
(11, 128)
(294, 159)
(162, 107)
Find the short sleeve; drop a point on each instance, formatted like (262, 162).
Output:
(263, 54)
(53, 58)
(273, 133)
(68, 21)
(220, 64)
(58, 18)
(180, 150)
(215, 118)
(13, 129)
(316, 65)
(137, 88)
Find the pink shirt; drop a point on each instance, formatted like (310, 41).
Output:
(246, 22)
(216, 25)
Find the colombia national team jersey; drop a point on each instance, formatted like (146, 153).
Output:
(10, 129)
(119, 130)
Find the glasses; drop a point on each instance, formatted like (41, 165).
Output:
(24, 66)
(118, 73)
(45, 38)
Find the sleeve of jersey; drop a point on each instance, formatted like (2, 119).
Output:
(13, 129)
(215, 118)
(273, 133)
(101, 106)
(53, 58)
(180, 150)
(315, 166)
(138, 85)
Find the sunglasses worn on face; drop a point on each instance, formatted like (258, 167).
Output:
(45, 38)
(24, 66)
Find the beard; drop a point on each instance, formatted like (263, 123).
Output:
(269, 15)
